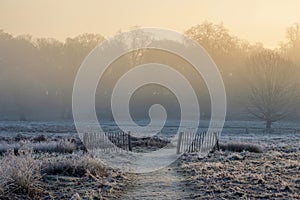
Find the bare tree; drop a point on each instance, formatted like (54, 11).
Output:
(74, 51)
(273, 86)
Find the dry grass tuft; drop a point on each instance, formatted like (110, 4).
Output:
(62, 146)
(240, 147)
(19, 174)
(5, 147)
(74, 165)
(23, 174)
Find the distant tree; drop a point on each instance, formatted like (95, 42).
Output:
(17, 55)
(136, 39)
(273, 86)
(229, 54)
(216, 39)
(74, 51)
(293, 35)
(291, 47)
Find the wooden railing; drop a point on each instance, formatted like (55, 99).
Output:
(120, 141)
(108, 141)
(197, 142)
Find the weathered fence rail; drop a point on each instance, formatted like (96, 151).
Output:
(118, 141)
(107, 141)
(197, 142)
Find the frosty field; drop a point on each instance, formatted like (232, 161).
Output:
(230, 173)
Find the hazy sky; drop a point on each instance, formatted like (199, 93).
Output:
(255, 20)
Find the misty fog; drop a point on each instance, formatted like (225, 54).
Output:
(37, 74)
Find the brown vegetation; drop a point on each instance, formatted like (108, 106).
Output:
(34, 176)
(240, 147)
(246, 175)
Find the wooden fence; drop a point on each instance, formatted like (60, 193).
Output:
(197, 142)
(120, 141)
(108, 141)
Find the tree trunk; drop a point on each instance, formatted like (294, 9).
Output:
(268, 124)
(22, 117)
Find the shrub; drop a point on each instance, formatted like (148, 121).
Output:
(53, 146)
(74, 165)
(4, 147)
(240, 147)
(19, 174)
(66, 147)
(50, 147)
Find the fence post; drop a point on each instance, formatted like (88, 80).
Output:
(183, 142)
(129, 141)
(217, 140)
(189, 142)
(123, 141)
(179, 143)
(247, 130)
(204, 140)
(200, 142)
(194, 142)
(209, 140)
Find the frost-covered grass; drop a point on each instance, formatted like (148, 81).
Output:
(23, 173)
(5, 147)
(19, 174)
(240, 147)
(74, 165)
(62, 146)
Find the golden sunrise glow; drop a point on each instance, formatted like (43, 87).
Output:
(256, 21)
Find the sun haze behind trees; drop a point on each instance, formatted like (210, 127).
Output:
(37, 75)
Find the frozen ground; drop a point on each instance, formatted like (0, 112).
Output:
(272, 174)
(283, 134)
(245, 131)
(61, 127)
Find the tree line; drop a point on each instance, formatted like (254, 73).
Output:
(37, 74)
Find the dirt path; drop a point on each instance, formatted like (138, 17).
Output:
(167, 183)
